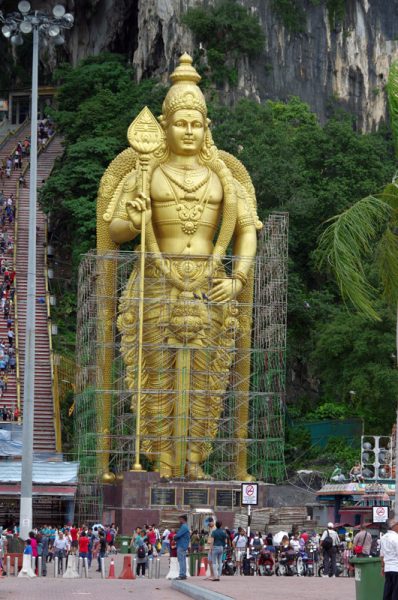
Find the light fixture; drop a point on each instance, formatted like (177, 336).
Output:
(17, 40)
(26, 26)
(69, 18)
(59, 40)
(53, 30)
(58, 11)
(6, 31)
(24, 7)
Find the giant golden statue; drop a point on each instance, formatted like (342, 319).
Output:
(182, 315)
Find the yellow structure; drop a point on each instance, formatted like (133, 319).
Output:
(182, 316)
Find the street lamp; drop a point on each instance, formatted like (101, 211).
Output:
(13, 26)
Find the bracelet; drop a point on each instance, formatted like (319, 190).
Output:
(241, 277)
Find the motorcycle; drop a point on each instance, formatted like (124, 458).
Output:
(229, 567)
(339, 566)
(287, 563)
(265, 565)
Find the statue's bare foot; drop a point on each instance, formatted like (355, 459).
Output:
(244, 476)
(108, 478)
(195, 471)
(165, 469)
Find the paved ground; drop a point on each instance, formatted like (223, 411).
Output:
(299, 588)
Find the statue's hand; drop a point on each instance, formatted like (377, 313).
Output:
(224, 290)
(135, 208)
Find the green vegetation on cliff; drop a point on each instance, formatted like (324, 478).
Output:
(297, 165)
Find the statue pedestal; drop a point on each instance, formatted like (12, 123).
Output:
(142, 497)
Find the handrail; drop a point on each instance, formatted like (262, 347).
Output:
(16, 318)
(54, 373)
(13, 132)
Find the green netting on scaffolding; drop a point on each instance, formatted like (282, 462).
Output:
(248, 402)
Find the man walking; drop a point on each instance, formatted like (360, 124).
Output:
(329, 543)
(182, 540)
(389, 560)
(219, 538)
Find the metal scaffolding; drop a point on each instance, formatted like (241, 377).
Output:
(242, 386)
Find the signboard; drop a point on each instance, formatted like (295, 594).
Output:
(196, 496)
(249, 494)
(224, 498)
(163, 496)
(380, 514)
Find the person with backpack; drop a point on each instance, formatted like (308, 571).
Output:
(362, 542)
(329, 544)
(142, 553)
(239, 543)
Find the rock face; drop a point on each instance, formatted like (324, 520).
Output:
(324, 64)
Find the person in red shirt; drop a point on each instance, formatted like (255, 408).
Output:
(151, 536)
(83, 545)
(73, 534)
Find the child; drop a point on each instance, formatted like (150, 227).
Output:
(28, 547)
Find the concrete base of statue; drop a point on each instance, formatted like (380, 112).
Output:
(143, 497)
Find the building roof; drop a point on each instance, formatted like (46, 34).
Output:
(356, 489)
(43, 472)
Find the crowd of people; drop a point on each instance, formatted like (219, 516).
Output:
(7, 294)
(92, 543)
(235, 552)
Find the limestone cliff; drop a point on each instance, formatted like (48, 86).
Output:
(348, 63)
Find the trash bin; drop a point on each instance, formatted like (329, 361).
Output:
(194, 562)
(124, 544)
(369, 582)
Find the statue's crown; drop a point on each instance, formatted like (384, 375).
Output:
(184, 93)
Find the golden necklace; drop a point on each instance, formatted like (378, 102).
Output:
(189, 208)
(188, 185)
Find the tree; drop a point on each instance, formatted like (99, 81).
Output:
(360, 247)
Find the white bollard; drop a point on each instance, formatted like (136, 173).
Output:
(150, 567)
(80, 567)
(16, 566)
(157, 572)
(86, 567)
(102, 561)
(26, 570)
(63, 565)
(8, 565)
(71, 572)
(33, 563)
(188, 569)
(56, 566)
(174, 570)
(39, 566)
(135, 566)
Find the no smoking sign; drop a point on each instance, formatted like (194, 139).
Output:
(249, 494)
(380, 514)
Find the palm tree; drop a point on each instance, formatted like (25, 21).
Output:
(360, 245)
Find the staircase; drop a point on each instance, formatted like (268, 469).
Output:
(44, 426)
(273, 520)
(9, 186)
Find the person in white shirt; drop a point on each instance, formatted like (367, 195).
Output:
(165, 542)
(239, 543)
(389, 560)
(329, 543)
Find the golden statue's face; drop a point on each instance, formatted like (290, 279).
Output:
(185, 132)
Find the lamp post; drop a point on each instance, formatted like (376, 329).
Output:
(41, 24)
